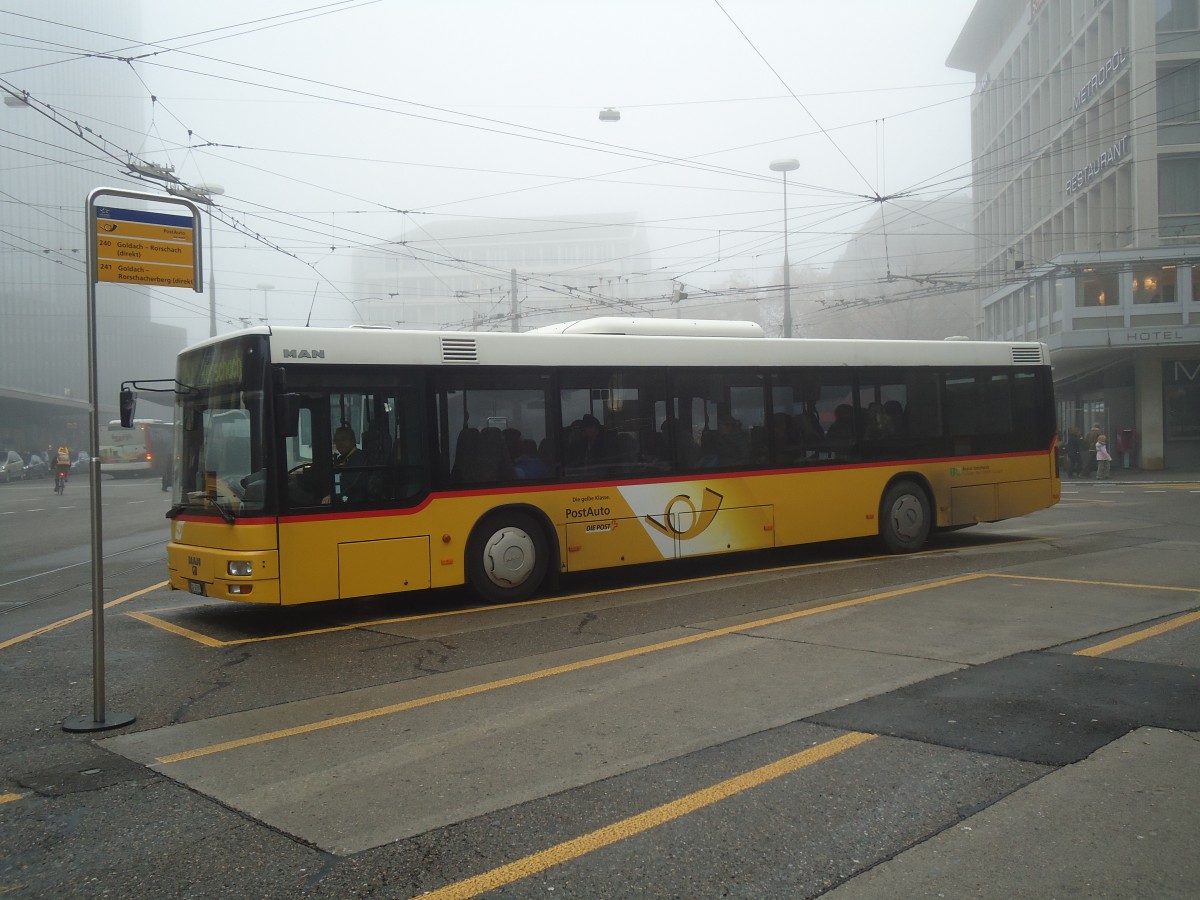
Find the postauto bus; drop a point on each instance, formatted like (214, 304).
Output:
(499, 459)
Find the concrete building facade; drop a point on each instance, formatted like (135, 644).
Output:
(458, 275)
(1085, 127)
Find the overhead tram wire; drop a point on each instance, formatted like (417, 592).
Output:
(581, 295)
(447, 259)
(579, 143)
(79, 131)
(536, 133)
(874, 193)
(655, 163)
(284, 251)
(181, 124)
(291, 17)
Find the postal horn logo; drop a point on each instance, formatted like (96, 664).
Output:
(681, 519)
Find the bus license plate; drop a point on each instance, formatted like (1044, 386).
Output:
(196, 587)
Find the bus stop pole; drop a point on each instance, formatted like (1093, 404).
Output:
(100, 719)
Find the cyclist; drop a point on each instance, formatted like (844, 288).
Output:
(62, 466)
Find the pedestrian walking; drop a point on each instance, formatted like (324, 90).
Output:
(1103, 458)
(1074, 451)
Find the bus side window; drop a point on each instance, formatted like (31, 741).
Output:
(486, 420)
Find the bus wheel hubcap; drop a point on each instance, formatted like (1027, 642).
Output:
(509, 557)
(906, 517)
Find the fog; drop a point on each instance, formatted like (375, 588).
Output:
(338, 127)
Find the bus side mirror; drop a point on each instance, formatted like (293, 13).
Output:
(287, 415)
(128, 403)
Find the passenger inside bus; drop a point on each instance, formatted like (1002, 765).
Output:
(589, 446)
(840, 436)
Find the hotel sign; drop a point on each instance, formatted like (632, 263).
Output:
(1183, 334)
(1107, 71)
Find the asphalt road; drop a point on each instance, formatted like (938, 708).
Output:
(45, 554)
(1011, 713)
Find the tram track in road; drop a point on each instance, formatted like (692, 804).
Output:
(12, 607)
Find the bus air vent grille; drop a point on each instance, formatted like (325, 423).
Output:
(459, 350)
(1027, 356)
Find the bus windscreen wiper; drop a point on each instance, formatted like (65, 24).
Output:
(215, 500)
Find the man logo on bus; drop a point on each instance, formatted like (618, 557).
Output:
(673, 518)
(289, 353)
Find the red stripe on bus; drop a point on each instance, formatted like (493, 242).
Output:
(589, 485)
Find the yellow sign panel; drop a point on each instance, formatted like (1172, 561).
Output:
(137, 246)
(123, 272)
(135, 250)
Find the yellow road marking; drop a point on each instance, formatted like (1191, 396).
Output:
(177, 629)
(1136, 636)
(652, 818)
(9, 798)
(199, 637)
(1119, 584)
(45, 629)
(1133, 637)
(487, 687)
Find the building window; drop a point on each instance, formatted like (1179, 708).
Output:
(1179, 195)
(1097, 289)
(1178, 103)
(1177, 15)
(1154, 285)
(1178, 92)
(1181, 399)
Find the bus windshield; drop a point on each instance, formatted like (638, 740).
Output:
(220, 431)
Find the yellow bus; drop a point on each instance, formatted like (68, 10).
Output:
(318, 464)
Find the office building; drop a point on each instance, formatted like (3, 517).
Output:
(1085, 125)
(453, 274)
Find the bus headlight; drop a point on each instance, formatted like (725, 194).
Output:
(240, 567)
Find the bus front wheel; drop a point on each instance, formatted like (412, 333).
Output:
(507, 557)
(904, 518)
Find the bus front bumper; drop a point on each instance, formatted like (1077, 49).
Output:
(245, 576)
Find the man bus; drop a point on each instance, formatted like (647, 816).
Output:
(656, 439)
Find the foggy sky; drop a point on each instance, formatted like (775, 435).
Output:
(356, 123)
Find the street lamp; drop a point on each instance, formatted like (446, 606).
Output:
(265, 288)
(785, 166)
(204, 193)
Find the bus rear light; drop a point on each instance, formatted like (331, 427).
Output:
(447, 562)
(241, 588)
(240, 567)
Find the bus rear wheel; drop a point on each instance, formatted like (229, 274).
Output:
(507, 557)
(904, 517)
